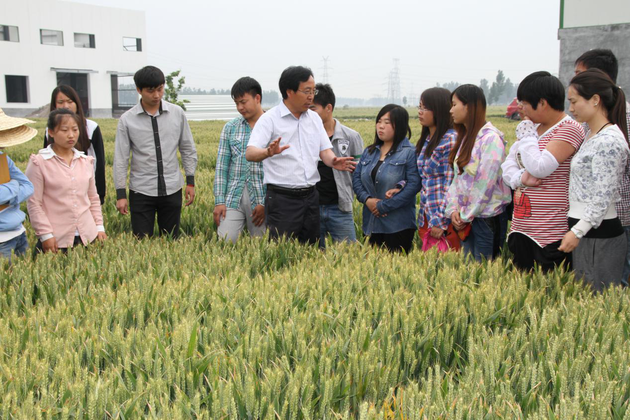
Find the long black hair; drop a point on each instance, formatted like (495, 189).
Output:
(596, 82)
(399, 118)
(438, 101)
(472, 96)
(83, 144)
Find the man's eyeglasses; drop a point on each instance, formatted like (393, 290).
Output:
(309, 92)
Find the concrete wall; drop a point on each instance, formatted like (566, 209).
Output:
(578, 13)
(29, 57)
(575, 41)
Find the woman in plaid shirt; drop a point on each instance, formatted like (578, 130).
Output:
(433, 148)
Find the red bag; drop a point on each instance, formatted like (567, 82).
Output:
(429, 242)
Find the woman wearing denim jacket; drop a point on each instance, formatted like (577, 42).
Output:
(389, 222)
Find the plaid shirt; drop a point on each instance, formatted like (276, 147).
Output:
(437, 175)
(233, 171)
(623, 206)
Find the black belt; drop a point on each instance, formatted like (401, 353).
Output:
(609, 228)
(292, 192)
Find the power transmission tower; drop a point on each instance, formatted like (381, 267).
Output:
(413, 101)
(393, 85)
(325, 70)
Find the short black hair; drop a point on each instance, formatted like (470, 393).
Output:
(325, 95)
(542, 85)
(399, 118)
(246, 85)
(291, 78)
(600, 58)
(148, 77)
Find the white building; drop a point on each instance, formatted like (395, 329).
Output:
(588, 24)
(94, 49)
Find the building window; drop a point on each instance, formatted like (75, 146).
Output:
(132, 44)
(9, 33)
(17, 88)
(124, 93)
(50, 37)
(84, 41)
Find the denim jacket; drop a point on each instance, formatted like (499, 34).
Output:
(13, 193)
(400, 210)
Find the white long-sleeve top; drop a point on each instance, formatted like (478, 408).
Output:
(595, 180)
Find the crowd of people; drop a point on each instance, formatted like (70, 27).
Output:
(295, 171)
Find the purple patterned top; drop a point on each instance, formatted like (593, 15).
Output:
(480, 191)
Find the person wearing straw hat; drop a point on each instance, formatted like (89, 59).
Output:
(14, 187)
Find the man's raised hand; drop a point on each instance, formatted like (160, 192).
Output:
(274, 147)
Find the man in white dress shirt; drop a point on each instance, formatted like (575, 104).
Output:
(290, 139)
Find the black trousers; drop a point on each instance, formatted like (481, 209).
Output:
(527, 252)
(143, 209)
(394, 242)
(293, 216)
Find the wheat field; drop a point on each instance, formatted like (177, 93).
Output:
(200, 329)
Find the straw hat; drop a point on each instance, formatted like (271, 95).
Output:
(13, 131)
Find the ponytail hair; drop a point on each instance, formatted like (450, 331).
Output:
(595, 82)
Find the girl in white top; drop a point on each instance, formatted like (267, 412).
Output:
(596, 237)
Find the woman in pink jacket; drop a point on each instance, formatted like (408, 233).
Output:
(64, 209)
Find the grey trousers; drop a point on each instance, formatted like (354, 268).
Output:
(599, 262)
(236, 219)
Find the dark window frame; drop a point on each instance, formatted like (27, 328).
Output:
(119, 106)
(24, 94)
(138, 45)
(6, 33)
(41, 37)
(91, 42)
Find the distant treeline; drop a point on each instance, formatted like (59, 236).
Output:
(501, 92)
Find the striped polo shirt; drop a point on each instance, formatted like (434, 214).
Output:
(540, 213)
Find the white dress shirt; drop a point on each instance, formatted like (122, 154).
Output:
(295, 167)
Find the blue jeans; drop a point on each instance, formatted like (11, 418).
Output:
(336, 223)
(626, 264)
(487, 237)
(18, 245)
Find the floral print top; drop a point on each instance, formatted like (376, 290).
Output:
(480, 191)
(596, 172)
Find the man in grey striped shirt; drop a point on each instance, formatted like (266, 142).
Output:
(152, 132)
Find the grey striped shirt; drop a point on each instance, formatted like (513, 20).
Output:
(135, 136)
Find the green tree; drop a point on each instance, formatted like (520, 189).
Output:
(171, 91)
(483, 84)
(449, 85)
(498, 86)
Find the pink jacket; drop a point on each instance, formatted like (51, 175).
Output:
(65, 200)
